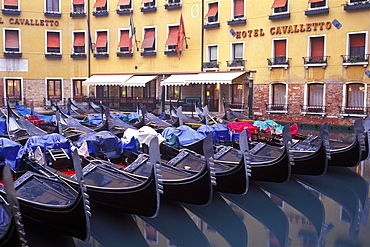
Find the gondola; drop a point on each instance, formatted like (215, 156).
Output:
(11, 228)
(106, 184)
(20, 129)
(44, 197)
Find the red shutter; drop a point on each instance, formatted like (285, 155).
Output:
(123, 42)
(278, 3)
(11, 39)
(357, 40)
(280, 48)
(101, 41)
(148, 39)
(100, 3)
(53, 39)
(172, 36)
(78, 1)
(317, 47)
(11, 2)
(79, 39)
(124, 2)
(314, 1)
(146, 1)
(213, 9)
(239, 8)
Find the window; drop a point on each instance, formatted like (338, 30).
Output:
(280, 6)
(278, 97)
(238, 12)
(125, 43)
(53, 42)
(314, 102)
(101, 6)
(173, 92)
(54, 89)
(236, 55)
(355, 95)
(78, 42)
(212, 58)
(11, 4)
(317, 4)
(77, 87)
(316, 50)
(52, 6)
(212, 14)
(356, 1)
(124, 4)
(11, 40)
(101, 44)
(13, 88)
(78, 6)
(148, 3)
(279, 53)
(149, 89)
(357, 49)
(171, 42)
(173, 1)
(148, 44)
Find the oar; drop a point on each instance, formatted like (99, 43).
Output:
(14, 204)
(211, 118)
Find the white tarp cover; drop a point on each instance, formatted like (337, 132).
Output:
(139, 80)
(144, 135)
(178, 80)
(214, 78)
(107, 80)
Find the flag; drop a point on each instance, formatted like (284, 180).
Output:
(131, 34)
(180, 37)
(89, 37)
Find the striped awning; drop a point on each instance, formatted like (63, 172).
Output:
(177, 80)
(139, 80)
(107, 80)
(215, 78)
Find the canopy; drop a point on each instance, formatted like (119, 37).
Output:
(143, 135)
(139, 80)
(185, 134)
(106, 80)
(178, 80)
(213, 78)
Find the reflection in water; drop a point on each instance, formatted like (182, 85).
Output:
(330, 210)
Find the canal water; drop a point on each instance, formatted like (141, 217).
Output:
(331, 210)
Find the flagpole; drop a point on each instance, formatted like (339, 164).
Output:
(133, 27)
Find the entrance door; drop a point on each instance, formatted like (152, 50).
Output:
(212, 96)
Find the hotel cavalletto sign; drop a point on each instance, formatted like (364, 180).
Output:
(287, 29)
(30, 22)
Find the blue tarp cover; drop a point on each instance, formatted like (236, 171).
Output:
(185, 134)
(11, 152)
(50, 141)
(101, 142)
(3, 129)
(24, 112)
(221, 134)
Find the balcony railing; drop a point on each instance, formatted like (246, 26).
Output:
(315, 61)
(278, 62)
(277, 108)
(362, 59)
(313, 109)
(210, 66)
(235, 64)
(357, 111)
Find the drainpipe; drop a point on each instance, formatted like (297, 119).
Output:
(89, 52)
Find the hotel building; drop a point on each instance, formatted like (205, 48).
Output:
(297, 61)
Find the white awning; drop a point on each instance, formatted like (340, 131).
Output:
(214, 78)
(177, 80)
(139, 80)
(106, 80)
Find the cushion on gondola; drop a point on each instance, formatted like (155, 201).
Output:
(11, 152)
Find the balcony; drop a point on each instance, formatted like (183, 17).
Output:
(315, 61)
(101, 54)
(78, 55)
(12, 54)
(100, 13)
(9, 11)
(277, 108)
(353, 111)
(53, 55)
(77, 14)
(349, 60)
(52, 14)
(124, 54)
(357, 5)
(235, 64)
(148, 9)
(278, 62)
(210, 66)
(317, 11)
(237, 21)
(173, 4)
(313, 110)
